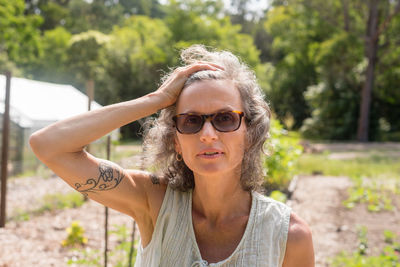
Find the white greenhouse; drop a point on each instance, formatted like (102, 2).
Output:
(34, 105)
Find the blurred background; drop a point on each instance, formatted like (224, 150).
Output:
(318, 62)
(330, 69)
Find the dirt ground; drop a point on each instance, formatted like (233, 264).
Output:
(317, 199)
(37, 242)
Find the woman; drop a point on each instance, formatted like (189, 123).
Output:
(203, 208)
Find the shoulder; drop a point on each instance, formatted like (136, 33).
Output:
(299, 246)
(269, 206)
(153, 186)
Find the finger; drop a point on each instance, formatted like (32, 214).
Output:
(211, 63)
(198, 67)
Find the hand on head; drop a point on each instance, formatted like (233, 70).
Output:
(172, 87)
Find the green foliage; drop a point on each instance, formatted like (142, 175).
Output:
(21, 215)
(119, 255)
(85, 52)
(280, 164)
(389, 257)
(43, 171)
(362, 240)
(389, 236)
(19, 35)
(99, 15)
(52, 64)
(278, 196)
(335, 100)
(319, 68)
(50, 202)
(387, 94)
(294, 69)
(189, 27)
(376, 197)
(132, 60)
(373, 165)
(53, 14)
(75, 236)
(53, 202)
(315, 51)
(151, 8)
(366, 174)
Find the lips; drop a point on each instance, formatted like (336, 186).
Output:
(210, 153)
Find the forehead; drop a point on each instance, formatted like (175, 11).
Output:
(209, 96)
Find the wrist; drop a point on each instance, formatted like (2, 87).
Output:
(159, 99)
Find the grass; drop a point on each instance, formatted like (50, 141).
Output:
(389, 256)
(118, 155)
(51, 202)
(376, 177)
(117, 256)
(372, 166)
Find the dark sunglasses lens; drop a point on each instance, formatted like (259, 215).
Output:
(226, 121)
(189, 123)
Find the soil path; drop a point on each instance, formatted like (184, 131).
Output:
(318, 200)
(37, 242)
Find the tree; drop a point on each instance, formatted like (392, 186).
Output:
(134, 59)
(99, 15)
(134, 56)
(85, 54)
(19, 34)
(188, 27)
(374, 30)
(294, 31)
(53, 12)
(150, 8)
(52, 64)
(331, 37)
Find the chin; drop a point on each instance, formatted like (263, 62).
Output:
(212, 170)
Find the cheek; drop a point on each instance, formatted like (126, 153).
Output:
(177, 145)
(238, 143)
(183, 144)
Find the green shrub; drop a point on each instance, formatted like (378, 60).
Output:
(118, 256)
(75, 235)
(283, 152)
(389, 257)
(375, 197)
(61, 201)
(278, 196)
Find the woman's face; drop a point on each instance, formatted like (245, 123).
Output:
(207, 97)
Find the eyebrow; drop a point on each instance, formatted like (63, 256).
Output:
(215, 111)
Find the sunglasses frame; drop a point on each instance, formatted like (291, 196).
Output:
(205, 117)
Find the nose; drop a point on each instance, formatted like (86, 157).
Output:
(208, 132)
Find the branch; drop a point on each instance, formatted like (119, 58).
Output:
(327, 19)
(387, 21)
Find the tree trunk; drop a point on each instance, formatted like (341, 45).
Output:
(371, 49)
(346, 18)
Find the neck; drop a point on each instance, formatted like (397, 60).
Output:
(220, 198)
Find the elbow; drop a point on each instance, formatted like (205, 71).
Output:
(38, 146)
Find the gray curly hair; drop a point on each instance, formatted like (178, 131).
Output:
(160, 132)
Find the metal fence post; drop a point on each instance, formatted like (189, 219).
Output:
(106, 209)
(4, 151)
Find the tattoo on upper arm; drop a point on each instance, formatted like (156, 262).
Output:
(154, 179)
(109, 178)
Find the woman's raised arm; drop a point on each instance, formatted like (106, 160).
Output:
(61, 147)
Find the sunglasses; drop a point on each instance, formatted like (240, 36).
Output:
(191, 123)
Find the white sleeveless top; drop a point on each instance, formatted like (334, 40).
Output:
(173, 243)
